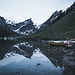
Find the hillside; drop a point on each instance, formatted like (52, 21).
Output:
(6, 32)
(62, 29)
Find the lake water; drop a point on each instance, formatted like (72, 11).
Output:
(26, 58)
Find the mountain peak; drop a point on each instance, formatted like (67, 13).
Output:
(28, 21)
(2, 21)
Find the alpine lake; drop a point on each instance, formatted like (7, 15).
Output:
(34, 58)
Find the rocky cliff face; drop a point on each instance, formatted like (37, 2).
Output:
(51, 19)
(26, 27)
(2, 21)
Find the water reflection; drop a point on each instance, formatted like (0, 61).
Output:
(24, 58)
(5, 47)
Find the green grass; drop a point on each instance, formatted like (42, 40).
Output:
(63, 29)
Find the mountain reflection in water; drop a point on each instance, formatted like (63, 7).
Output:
(26, 59)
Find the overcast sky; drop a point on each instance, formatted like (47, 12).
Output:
(38, 10)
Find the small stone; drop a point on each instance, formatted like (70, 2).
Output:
(38, 64)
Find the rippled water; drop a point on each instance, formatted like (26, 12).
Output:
(23, 58)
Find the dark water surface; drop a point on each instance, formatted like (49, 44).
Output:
(26, 58)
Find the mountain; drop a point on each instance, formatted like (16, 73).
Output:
(9, 28)
(6, 32)
(26, 27)
(56, 27)
(2, 21)
(51, 19)
(56, 16)
(62, 29)
(4, 29)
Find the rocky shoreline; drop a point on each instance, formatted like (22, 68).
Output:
(64, 57)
